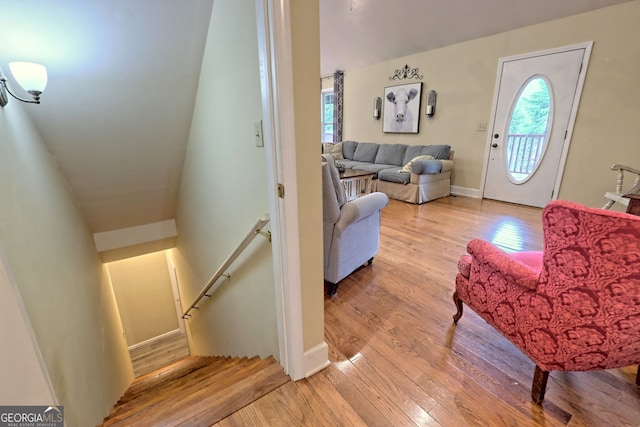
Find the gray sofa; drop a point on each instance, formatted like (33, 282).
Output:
(411, 173)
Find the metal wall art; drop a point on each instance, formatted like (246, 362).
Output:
(406, 72)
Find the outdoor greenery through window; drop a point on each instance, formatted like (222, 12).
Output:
(327, 115)
(528, 129)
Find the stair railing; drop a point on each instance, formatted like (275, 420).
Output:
(209, 288)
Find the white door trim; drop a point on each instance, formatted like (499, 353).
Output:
(276, 77)
(175, 289)
(587, 46)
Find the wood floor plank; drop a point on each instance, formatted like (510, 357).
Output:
(355, 397)
(333, 399)
(241, 393)
(322, 412)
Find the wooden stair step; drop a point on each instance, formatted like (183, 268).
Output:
(170, 390)
(167, 373)
(181, 397)
(186, 399)
(168, 381)
(236, 397)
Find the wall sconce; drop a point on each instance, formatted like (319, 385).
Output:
(431, 103)
(32, 77)
(377, 108)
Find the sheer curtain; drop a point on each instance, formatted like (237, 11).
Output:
(338, 95)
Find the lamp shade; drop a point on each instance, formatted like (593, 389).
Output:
(32, 77)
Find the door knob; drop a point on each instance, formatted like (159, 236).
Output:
(494, 145)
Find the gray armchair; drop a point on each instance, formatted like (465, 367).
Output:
(351, 230)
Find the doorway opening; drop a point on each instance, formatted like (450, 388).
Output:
(148, 300)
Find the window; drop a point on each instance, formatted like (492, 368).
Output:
(327, 115)
(529, 129)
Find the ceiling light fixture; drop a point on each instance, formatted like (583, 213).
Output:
(32, 77)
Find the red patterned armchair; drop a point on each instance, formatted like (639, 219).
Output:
(573, 307)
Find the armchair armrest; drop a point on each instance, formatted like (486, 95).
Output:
(421, 167)
(507, 265)
(360, 208)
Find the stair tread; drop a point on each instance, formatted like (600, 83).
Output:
(235, 397)
(211, 392)
(179, 402)
(168, 372)
(170, 389)
(144, 389)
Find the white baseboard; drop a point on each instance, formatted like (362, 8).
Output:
(316, 359)
(153, 340)
(464, 191)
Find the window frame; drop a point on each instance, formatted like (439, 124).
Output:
(323, 122)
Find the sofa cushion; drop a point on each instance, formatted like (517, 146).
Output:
(391, 154)
(412, 152)
(350, 164)
(440, 152)
(408, 166)
(348, 149)
(333, 148)
(394, 175)
(437, 151)
(372, 167)
(366, 152)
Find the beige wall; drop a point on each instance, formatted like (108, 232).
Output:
(305, 35)
(224, 192)
(464, 77)
(51, 257)
(145, 300)
(23, 376)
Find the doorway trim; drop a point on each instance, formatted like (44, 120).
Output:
(276, 69)
(587, 46)
(175, 289)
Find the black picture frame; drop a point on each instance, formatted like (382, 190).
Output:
(402, 108)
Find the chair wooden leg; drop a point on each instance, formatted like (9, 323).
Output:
(458, 303)
(539, 385)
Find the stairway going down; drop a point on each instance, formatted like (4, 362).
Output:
(196, 391)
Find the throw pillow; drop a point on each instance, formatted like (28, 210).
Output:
(407, 167)
(333, 148)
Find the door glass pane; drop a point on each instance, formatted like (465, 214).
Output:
(529, 129)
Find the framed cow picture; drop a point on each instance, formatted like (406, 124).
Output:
(402, 108)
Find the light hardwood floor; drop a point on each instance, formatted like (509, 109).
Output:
(398, 360)
(160, 351)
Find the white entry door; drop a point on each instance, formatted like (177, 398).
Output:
(535, 105)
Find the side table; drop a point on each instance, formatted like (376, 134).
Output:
(356, 182)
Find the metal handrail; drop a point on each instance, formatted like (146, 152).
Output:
(256, 229)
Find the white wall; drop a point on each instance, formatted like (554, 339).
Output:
(305, 52)
(145, 300)
(23, 376)
(52, 263)
(464, 77)
(224, 192)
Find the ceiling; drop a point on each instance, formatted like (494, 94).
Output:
(123, 76)
(358, 33)
(117, 109)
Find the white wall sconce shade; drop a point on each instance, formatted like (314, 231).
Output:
(30, 76)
